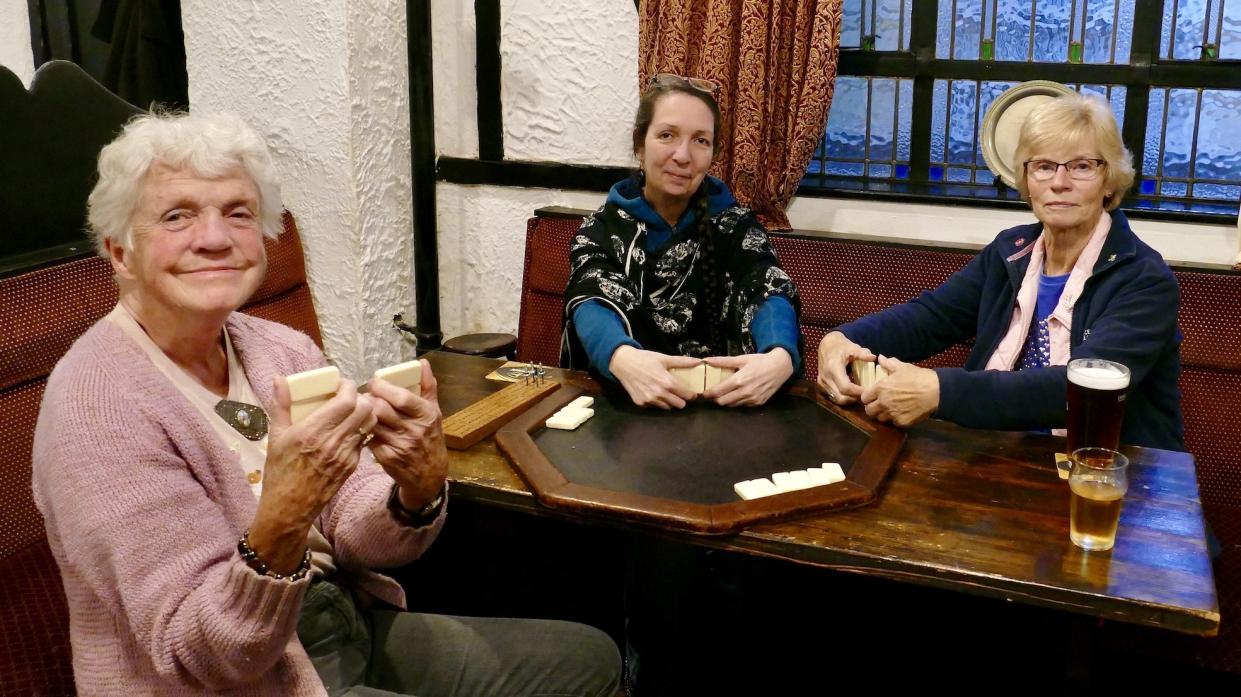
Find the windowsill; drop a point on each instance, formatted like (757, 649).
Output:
(960, 194)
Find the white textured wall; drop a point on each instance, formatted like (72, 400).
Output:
(325, 82)
(570, 80)
(569, 87)
(453, 73)
(15, 51)
(1177, 242)
(482, 234)
(379, 148)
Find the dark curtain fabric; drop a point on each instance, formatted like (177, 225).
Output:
(146, 63)
(776, 63)
(60, 30)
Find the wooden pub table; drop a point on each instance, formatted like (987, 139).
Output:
(980, 512)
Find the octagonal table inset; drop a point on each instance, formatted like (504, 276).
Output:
(676, 469)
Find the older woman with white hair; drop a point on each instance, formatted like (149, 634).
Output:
(207, 553)
(1076, 284)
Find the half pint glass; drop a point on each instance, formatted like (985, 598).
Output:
(1098, 482)
(1096, 403)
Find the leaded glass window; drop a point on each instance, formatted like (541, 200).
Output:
(916, 79)
(1192, 151)
(870, 135)
(1035, 31)
(880, 25)
(1201, 29)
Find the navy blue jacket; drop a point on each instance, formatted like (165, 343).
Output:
(1126, 313)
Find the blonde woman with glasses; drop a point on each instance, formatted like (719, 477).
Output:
(1076, 284)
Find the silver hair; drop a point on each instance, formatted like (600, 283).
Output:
(210, 145)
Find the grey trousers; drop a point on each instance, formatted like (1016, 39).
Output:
(382, 653)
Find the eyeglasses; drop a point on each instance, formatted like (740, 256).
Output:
(1083, 170)
(701, 84)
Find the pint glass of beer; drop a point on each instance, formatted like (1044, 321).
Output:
(1096, 403)
(1098, 482)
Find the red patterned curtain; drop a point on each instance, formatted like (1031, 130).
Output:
(776, 63)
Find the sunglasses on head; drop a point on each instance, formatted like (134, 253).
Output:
(701, 84)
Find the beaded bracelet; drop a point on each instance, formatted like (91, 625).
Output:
(251, 558)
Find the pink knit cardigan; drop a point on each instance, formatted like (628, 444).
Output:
(143, 506)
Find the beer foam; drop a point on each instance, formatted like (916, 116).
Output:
(1099, 377)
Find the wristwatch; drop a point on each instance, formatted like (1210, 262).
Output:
(423, 516)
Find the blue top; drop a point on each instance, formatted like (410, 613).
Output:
(1037, 351)
(1050, 288)
(1126, 312)
(601, 330)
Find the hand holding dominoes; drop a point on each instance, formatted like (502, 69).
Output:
(909, 394)
(408, 435)
(748, 380)
(780, 482)
(836, 352)
(701, 377)
(311, 389)
(866, 373)
(648, 377)
(307, 463)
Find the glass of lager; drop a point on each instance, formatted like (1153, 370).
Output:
(1096, 403)
(1098, 482)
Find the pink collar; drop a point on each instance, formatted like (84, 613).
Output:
(1061, 320)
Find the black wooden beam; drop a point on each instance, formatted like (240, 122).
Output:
(422, 166)
(487, 56)
(1143, 51)
(544, 175)
(1217, 74)
(922, 21)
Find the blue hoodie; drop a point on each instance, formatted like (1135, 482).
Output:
(627, 196)
(601, 331)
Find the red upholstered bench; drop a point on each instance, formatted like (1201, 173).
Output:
(842, 277)
(42, 313)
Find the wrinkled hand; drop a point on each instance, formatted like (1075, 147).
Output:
(306, 465)
(409, 438)
(758, 377)
(644, 375)
(906, 396)
(835, 353)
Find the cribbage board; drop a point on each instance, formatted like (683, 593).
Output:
(482, 418)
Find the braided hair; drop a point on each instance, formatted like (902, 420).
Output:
(711, 304)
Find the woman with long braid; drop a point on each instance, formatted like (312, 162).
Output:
(671, 270)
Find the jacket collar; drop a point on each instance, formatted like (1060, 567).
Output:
(1018, 243)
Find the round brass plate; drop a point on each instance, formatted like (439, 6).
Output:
(1002, 124)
